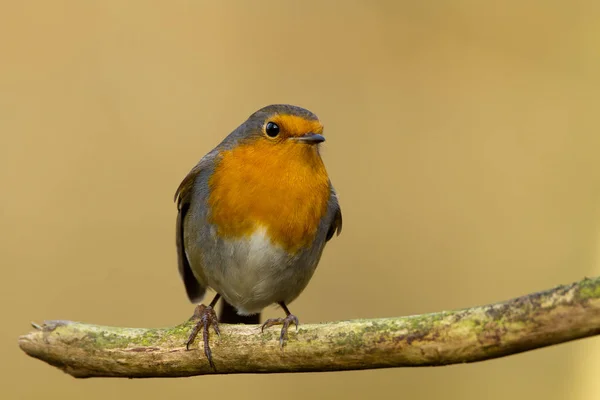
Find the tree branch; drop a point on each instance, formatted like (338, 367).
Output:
(537, 320)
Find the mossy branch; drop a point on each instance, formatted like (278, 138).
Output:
(537, 320)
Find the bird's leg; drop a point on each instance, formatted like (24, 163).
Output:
(206, 317)
(289, 318)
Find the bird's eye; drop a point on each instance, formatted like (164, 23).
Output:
(272, 129)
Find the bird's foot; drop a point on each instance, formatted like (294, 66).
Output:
(289, 319)
(205, 316)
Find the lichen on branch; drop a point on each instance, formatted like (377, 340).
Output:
(525, 323)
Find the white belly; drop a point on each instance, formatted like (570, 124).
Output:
(254, 273)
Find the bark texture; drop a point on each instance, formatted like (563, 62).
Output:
(529, 322)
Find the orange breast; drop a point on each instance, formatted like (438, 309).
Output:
(282, 187)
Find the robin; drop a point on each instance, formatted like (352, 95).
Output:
(253, 218)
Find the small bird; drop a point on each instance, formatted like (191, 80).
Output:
(253, 219)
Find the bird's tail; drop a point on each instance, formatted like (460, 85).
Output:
(229, 315)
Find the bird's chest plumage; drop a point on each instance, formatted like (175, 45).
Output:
(283, 189)
(263, 216)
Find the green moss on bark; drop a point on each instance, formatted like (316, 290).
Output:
(475, 334)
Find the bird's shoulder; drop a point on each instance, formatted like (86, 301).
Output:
(185, 188)
(335, 212)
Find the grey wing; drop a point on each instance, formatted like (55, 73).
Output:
(336, 222)
(195, 291)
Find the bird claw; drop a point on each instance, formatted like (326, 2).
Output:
(289, 319)
(216, 327)
(205, 317)
(270, 322)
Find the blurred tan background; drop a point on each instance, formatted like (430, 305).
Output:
(463, 139)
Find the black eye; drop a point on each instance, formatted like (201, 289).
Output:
(272, 129)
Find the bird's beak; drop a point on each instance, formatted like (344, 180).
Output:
(311, 138)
